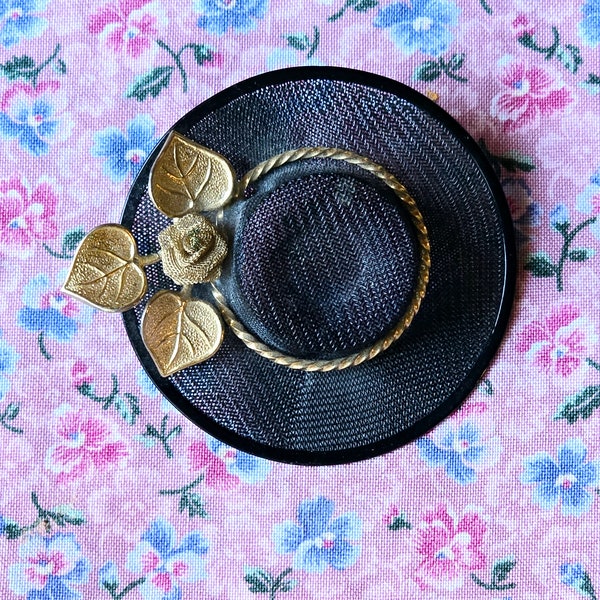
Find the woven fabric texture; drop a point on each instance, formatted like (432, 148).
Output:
(108, 492)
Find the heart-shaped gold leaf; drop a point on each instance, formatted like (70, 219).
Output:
(180, 332)
(104, 272)
(187, 177)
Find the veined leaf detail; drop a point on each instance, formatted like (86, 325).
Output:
(187, 177)
(104, 272)
(180, 332)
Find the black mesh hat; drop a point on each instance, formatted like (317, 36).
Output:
(323, 261)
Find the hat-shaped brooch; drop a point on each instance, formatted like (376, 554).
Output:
(316, 265)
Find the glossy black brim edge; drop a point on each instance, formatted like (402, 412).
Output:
(307, 457)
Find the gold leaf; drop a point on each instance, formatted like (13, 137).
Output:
(104, 272)
(187, 177)
(180, 332)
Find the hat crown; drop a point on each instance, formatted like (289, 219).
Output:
(325, 263)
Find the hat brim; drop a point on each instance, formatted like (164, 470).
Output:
(343, 416)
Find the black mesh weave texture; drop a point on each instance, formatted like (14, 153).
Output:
(324, 265)
(325, 261)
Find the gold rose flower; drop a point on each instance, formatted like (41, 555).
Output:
(192, 250)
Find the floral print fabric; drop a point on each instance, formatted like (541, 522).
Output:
(108, 492)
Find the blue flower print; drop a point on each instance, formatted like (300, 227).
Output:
(164, 564)
(588, 202)
(246, 467)
(559, 216)
(50, 568)
(108, 575)
(125, 153)
(318, 541)
(589, 27)
(564, 481)
(34, 116)
(423, 25)
(8, 362)
(280, 58)
(146, 384)
(149, 389)
(18, 20)
(576, 577)
(49, 311)
(460, 449)
(571, 574)
(217, 16)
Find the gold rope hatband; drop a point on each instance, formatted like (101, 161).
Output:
(422, 278)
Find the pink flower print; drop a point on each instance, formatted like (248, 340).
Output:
(216, 60)
(164, 564)
(49, 565)
(26, 216)
(395, 520)
(225, 466)
(392, 513)
(531, 93)
(215, 469)
(80, 374)
(127, 26)
(449, 548)
(558, 343)
(56, 300)
(595, 205)
(588, 202)
(521, 25)
(86, 445)
(470, 408)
